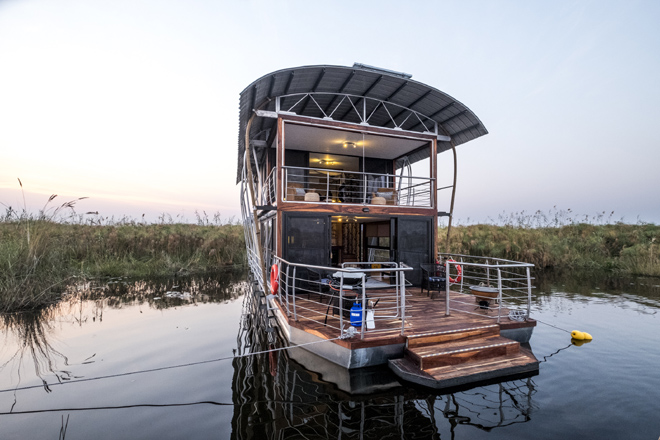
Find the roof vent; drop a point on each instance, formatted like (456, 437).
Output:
(381, 70)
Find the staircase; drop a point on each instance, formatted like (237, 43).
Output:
(458, 356)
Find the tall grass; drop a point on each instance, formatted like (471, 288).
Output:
(40, 253)
(620, 248)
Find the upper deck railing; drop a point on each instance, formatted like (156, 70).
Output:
(318, 185)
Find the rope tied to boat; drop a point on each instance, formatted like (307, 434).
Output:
(345, 335)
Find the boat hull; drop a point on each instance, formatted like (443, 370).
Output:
(335, 353)
(521, 334)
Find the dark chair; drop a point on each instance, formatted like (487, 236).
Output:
(319, 281)
(434, 278)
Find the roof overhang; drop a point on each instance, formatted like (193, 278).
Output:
(362, 95)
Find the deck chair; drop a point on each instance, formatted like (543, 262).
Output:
(389, 194)
(295, 192)
(434, 278)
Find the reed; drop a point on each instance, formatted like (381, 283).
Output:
(40, 254)
(620, 248)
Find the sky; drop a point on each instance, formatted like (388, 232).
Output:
(134, 104)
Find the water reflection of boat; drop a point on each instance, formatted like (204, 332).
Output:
(354, 381)
(297, 402)
(339, 182)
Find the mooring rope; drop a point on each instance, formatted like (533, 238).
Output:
(545, 358)
(553, 326)
(151, 370)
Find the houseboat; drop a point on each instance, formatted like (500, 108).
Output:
(338, 168)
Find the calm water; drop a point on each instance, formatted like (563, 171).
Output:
(159, 360)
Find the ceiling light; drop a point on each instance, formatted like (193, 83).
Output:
(349, 144)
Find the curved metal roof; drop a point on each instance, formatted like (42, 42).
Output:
(397, 90)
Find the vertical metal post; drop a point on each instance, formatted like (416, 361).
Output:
(397, 280)
(253, 200)
(462, 275)
(285, 182)
(288, 309)
(529, 293)
(499, 295)
(403, 302)
(293, 292)
(364, 305)
(279, 282)
(340, 306)
(327, 187)
(453, 196)
(447, 282)
(487, 272)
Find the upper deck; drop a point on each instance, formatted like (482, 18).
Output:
(340, 164)
(348, 135)
(343, 167)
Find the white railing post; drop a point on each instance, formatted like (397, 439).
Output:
(447, 283)
(403, 302)
(487, 272)
(499, 294)
(288, 308)
(293, 292)
(364, 305)
(327, 187)
(529, 292)
(462, 274)
(340, 306)
(285, 182)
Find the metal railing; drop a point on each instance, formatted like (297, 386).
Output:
(318, 185)
(382, 290)
(267, 193)
(510, 280)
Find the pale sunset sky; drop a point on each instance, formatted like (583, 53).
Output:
(134, 104)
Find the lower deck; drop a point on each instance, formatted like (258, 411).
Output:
(424, 314)
(434, 349)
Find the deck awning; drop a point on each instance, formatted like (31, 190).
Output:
(388, 98)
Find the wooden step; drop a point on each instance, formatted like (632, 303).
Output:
(498, 367)
(456, 334)
(509, 362)
(460, 352)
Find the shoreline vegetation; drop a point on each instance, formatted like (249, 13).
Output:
(562, 240)
(620, 249)
(40, 255)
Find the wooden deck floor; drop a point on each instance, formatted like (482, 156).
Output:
(423, 315)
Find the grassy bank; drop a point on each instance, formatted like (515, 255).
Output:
(38, 256)
(620, 248)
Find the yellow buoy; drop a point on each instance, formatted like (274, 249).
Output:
(587, 336)
(576, 334)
